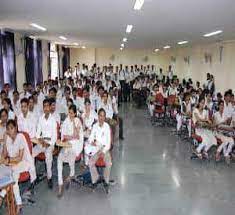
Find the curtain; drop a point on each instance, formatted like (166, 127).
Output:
(65, 59)
(49, 59)
(33, 61)
(7, 60)
(58, 51)
(39, 63)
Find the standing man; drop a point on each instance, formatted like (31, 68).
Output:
(170, 73)
(122, 82)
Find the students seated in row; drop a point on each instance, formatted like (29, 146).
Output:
(47, 135)
(71, 132)
(16, 154)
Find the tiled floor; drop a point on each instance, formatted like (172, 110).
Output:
(154, 175)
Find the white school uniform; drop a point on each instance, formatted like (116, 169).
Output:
(11, 115)
(208, 138)
(101, 135)
(27, 124)
(69, 155)
(228, 110)
(47, 128)
(227, 142)
(108, 109)
(26, 164)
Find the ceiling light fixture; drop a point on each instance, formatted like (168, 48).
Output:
(182, 42)
(124, 39)
(166, 47)
(62, 38)
(38, 26)
(76, 44)
(122, 45)
(156, 50)
(83, 47)
(138, 4)
(129, 28)
(121, 48)
(213, 33)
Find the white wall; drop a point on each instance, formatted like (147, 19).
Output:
(223, 68)
(104, 56)
(86, 56)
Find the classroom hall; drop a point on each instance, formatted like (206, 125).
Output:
(117, 107)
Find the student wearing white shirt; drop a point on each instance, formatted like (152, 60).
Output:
(201, 120)
(89, 117)
(228, 108)
(25, 93)
(25, 120)
(16, 154)
(16, 102)
(107, 106)
(8, 106)
(54, 112)
(63, 102)
(222, 123)
(100, 138)
(170, 73)
(47, 135)
(185, 114)
(75, 97)
(34, 110)
(72, 132)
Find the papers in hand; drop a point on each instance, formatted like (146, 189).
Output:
(63, 144)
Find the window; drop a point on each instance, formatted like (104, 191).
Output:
(54, 61)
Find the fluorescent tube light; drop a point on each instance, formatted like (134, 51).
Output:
(138, 4)
(213, 33)
(124, 40)
(38, 26)
(166, 47)
(182, 42)
(62, 38)
(129, 28)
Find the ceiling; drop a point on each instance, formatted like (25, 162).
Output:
(102, 23)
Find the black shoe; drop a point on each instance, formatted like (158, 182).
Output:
(31, 188)
(106, 187)
(121, 138)
(50, 184)
(94, 186)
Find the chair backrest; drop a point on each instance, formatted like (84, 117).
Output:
(159, 98)
(171, 99)
(28, 140)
